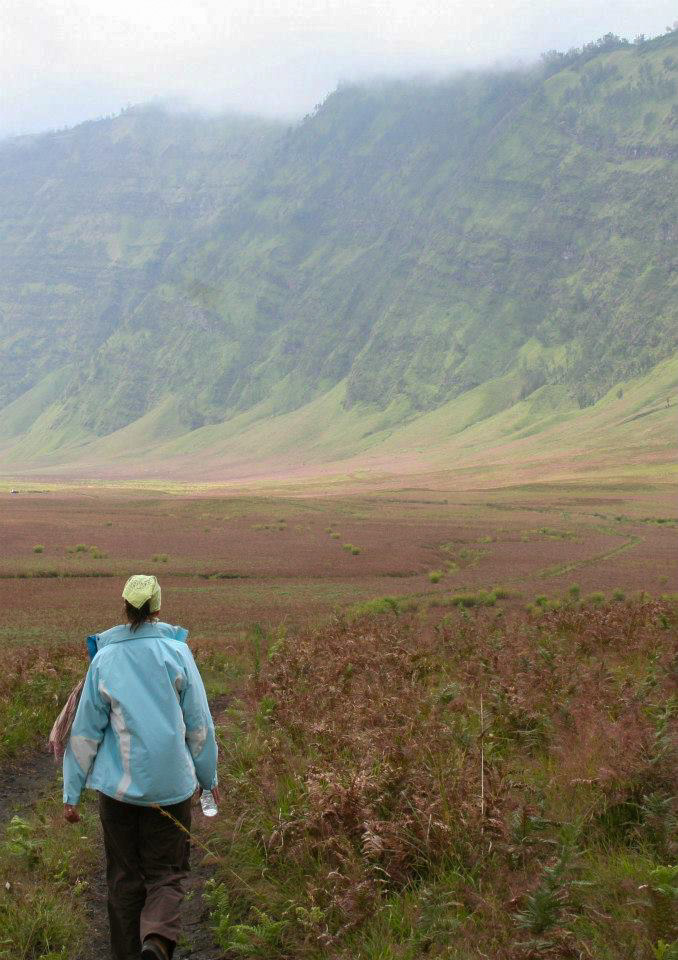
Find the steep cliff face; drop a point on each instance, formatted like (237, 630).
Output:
(88, 220)
(410, 243)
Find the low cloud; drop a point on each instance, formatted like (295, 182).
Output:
(63, 61)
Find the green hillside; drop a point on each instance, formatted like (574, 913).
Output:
(497, 240)
(88, 219)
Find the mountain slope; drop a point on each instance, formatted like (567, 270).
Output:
(404, 246)
(88, 217)
(481, 438)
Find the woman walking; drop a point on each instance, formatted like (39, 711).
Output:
(143, 737)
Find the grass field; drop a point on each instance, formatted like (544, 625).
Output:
(227, 563)
(374, 648)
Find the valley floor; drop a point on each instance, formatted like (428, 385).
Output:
(364, 651)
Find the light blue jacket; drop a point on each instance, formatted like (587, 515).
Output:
(143, 732)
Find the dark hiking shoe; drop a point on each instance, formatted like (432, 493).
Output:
(155, 948)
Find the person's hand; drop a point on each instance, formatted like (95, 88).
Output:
(71, 814)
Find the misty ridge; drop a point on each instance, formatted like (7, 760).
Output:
(405, 244)
(549, 62)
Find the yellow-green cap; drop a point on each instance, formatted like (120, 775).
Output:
(141, 588)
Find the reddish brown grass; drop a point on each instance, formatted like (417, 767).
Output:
(374, 727)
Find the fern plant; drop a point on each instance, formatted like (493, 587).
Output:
(663, 889)
(666, 951)
(543, 907)
(261, 937)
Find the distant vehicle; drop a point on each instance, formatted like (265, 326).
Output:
(13, 491)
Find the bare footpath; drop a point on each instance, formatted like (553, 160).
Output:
(23, 781)
(197, 942)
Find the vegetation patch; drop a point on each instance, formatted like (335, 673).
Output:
(44, 866)
(466, 781)
(483, 598)
(33, 683)
(352, 549)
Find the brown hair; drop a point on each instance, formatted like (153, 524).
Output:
(137, 615)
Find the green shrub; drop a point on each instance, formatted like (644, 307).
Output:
(480, 599)
(618, 595)
(596, 598)
(376, 606)
(355, 551)
(160, 558)
(408, 605)
(435, 576)
(38, 548)
(464, 600)
(80, 548)
(575, 591)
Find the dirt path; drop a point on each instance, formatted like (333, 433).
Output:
(22, 781)
(97, 942)
(198, 943)
(559, 570)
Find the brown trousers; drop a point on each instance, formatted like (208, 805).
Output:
(147, 862)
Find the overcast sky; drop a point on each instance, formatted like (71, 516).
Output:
(63, 61)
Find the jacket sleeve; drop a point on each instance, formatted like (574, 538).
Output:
(91, 720)
(199, 725)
